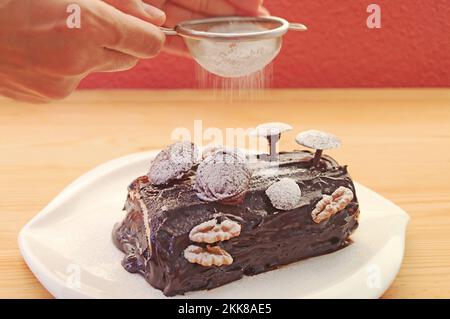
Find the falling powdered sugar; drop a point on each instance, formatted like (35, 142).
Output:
(247, 88)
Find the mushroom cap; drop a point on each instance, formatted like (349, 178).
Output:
(270, 129)
(222, 176)
(172, 163)
(318, 140)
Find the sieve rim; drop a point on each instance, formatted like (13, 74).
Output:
(184, 30)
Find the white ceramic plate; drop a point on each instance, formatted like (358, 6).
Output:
(69, 249)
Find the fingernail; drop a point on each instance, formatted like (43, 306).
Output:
(263, 11)
(154, 12)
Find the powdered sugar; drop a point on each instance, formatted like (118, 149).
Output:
(318, 140)
(211, 150)
(173, 162)
(270, 129)
(222, 176)
(232, 58)
(284, 194)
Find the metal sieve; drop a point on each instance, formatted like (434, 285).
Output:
(234, 46)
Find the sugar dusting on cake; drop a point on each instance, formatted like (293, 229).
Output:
(173, 162)
(318, 140)
(221, 176)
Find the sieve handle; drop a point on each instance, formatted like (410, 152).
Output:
(297, 27)
(168, 31)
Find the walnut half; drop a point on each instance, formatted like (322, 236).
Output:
(331, 205)
(209, 256)
(212, 232)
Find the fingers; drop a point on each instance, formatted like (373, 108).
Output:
(158, 16)
(140, 10)
(22, 97)
(42, 87)
(251, 7)
(32, 88)
(16, 88)
(130, 35)
(208, 7)
(176, 14)
(213, 7)
(115, 61)
(263, 12)
(176, 46)
(183, 10)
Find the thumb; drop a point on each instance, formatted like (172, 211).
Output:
(140, 10)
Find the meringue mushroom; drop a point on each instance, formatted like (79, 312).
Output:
(222, 177)
(284, 194)
(173, 163)
(319, 141)
(272, 131)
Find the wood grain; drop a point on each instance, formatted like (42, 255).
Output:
(397, 142)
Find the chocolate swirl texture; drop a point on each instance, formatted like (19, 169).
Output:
(155, 231)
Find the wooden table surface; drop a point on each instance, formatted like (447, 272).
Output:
(397, 142)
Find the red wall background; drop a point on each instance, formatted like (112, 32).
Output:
(412, 49)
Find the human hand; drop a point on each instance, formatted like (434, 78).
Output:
(183, 10)
(42, 59)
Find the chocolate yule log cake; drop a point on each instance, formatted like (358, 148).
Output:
(200, 221)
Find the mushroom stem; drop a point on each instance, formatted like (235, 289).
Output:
(317, 157)
(273, 140)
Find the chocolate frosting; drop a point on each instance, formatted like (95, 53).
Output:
(155, 231)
